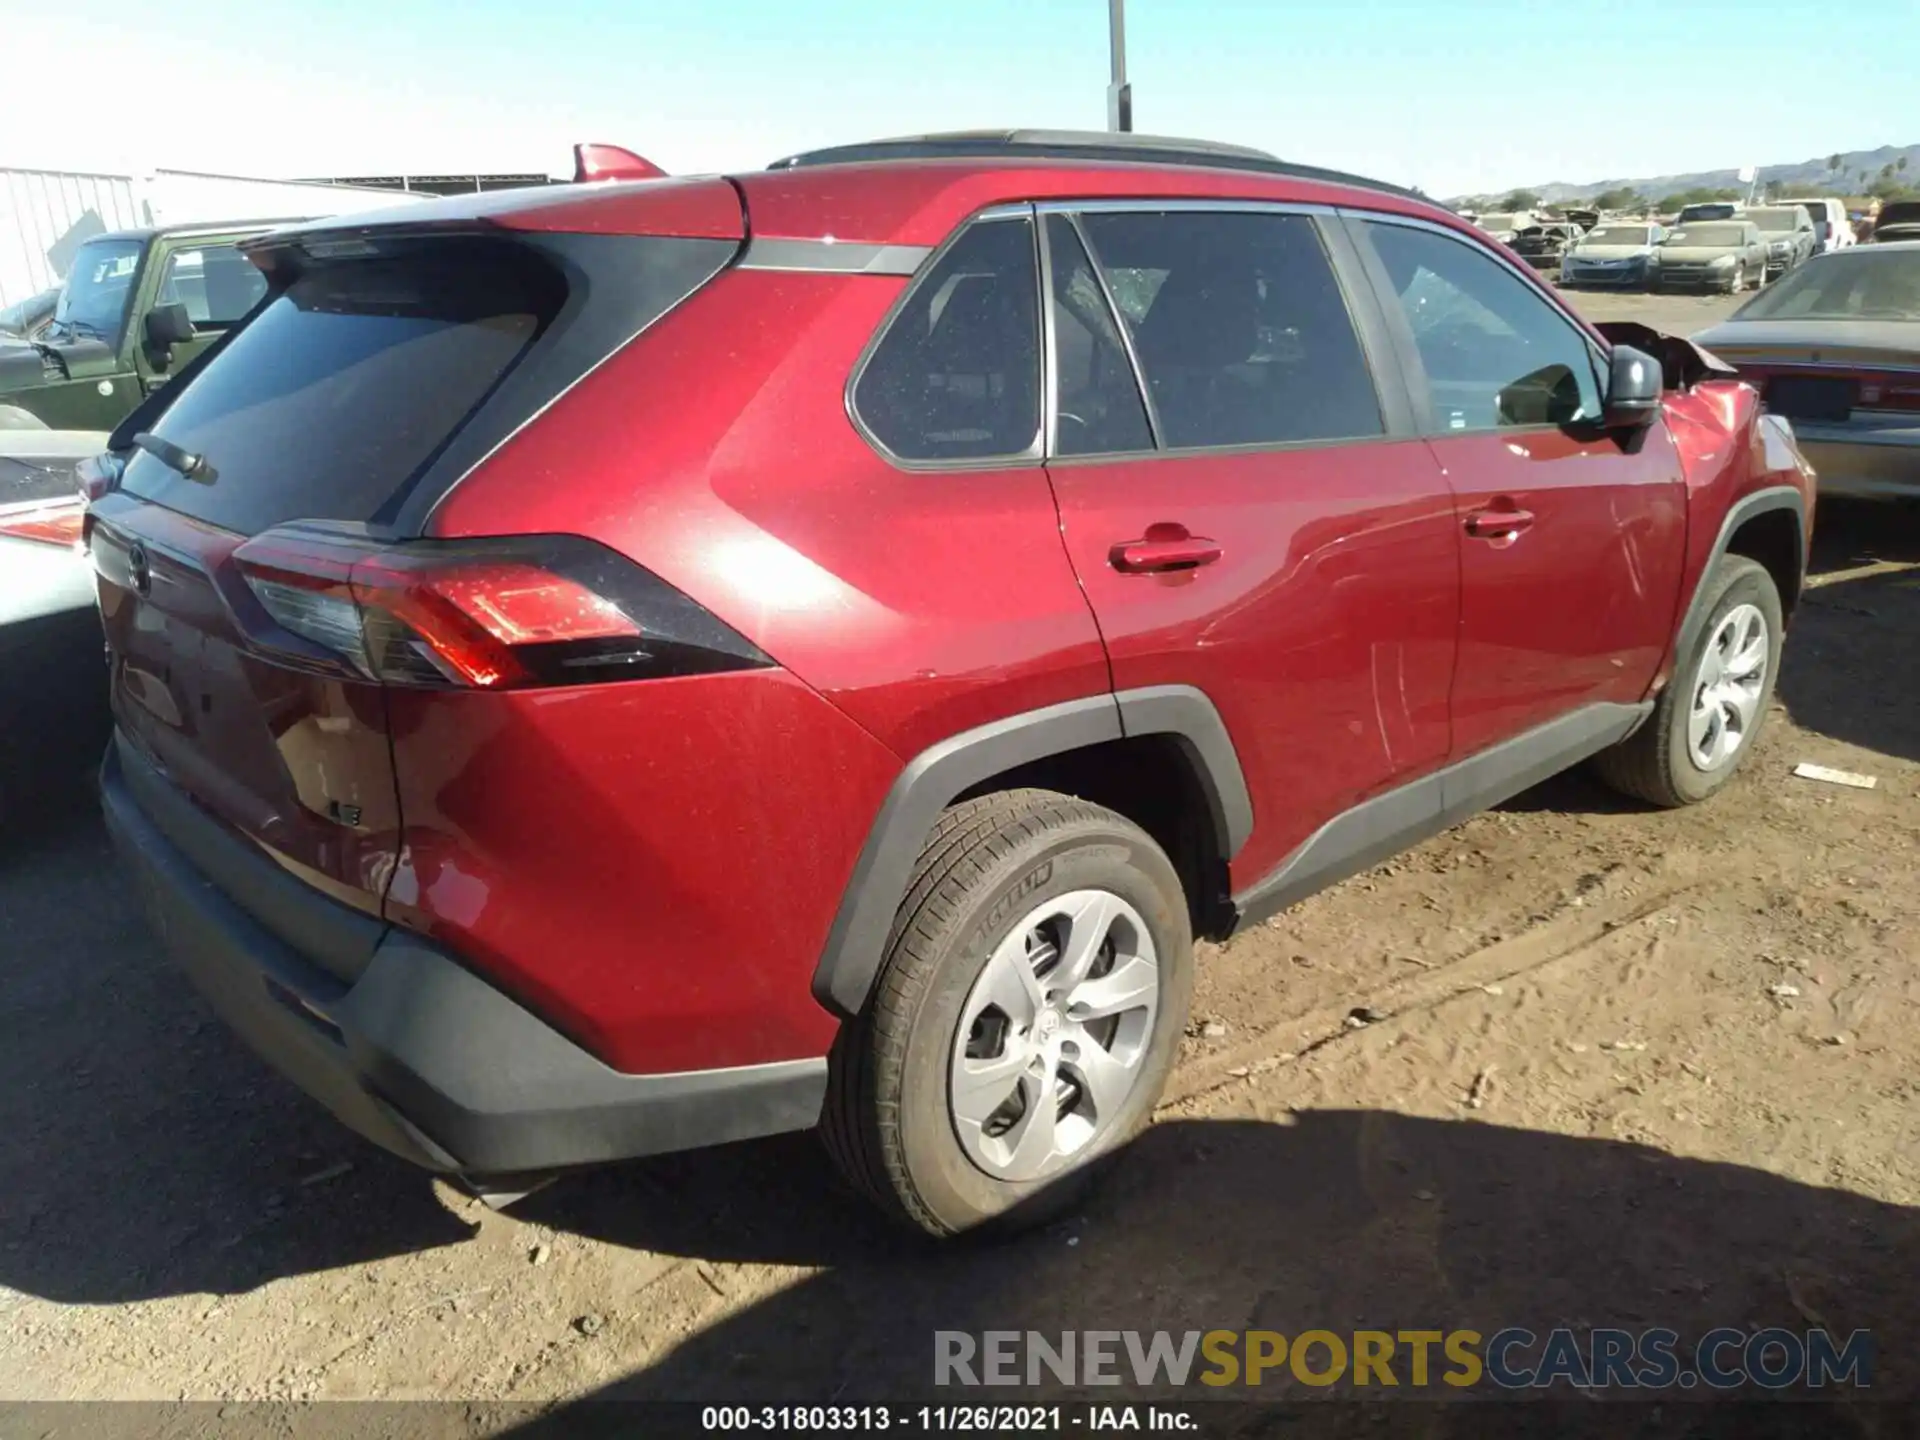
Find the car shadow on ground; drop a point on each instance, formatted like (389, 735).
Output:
(1334, 1220)
(143, 1151)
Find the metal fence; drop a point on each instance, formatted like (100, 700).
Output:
(45, 215)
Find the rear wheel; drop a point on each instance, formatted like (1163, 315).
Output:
(1710, 714)
(1025, 1019)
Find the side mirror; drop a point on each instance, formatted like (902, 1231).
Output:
(1634, 388)
(168, 326)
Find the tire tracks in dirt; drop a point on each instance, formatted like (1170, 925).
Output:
(1579, 927)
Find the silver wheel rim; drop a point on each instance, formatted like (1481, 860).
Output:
(1054, 1035)
(1727, 689)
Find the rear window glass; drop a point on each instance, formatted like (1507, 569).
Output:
(1859, 284)
(348, 382)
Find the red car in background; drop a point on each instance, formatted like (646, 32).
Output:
(656, 662)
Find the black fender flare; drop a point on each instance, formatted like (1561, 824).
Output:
(932, 780)
(1760, 502)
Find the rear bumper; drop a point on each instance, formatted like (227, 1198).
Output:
(1862, 458)
(417, 1053)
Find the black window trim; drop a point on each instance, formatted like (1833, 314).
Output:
(1033, 455)
(1412, 368)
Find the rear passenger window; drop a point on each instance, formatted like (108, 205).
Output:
(1495, 352)
(957, 374)
(1098, 407)
(1240, 327)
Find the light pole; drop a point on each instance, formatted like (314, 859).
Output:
(1119, 92)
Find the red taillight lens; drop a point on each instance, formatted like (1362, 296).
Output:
(1890, 392)
(496, 614)
(59, 522)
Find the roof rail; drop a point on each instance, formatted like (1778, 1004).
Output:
(1103, 145)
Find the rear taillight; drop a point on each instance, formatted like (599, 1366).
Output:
(57, 522)
(1882, 391)
(490, 614)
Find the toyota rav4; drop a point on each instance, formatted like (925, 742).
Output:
(628, 666)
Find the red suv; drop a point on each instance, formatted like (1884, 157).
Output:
(623, 667)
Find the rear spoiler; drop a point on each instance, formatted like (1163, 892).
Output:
(1683, 364)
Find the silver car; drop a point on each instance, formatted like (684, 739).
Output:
(1790, 237)
(1712, 255)
(1835, 348)
(1615, 253)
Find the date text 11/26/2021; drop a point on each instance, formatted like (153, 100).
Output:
(946, 1419)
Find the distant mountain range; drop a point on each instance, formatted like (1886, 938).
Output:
(1814, 175)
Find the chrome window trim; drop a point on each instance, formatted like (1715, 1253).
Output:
(1034, 453)
(1072, 219)
(1049, 343)
(827, 256)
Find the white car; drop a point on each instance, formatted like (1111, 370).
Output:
(1504, 225)
(53, 706)
(1830, 223)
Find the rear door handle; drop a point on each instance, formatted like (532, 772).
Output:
(1147, 556)
(1498, 524)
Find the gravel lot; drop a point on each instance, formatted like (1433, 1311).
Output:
(1690, 1038)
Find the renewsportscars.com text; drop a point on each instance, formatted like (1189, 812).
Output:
(1510, 1359)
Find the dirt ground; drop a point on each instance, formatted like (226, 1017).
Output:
(1620, 1067)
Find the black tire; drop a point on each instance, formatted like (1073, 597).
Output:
(987, 864)
(1652, 764)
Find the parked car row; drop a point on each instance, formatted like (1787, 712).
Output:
(1718, 245)
(1750, 248)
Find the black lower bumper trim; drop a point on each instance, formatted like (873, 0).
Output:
(422, 1056)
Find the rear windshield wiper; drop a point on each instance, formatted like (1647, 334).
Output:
(184, 462)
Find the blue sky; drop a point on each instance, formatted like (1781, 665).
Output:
(1451, 95)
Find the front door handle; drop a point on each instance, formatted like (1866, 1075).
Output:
(1498, 524)
(1164, 547)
